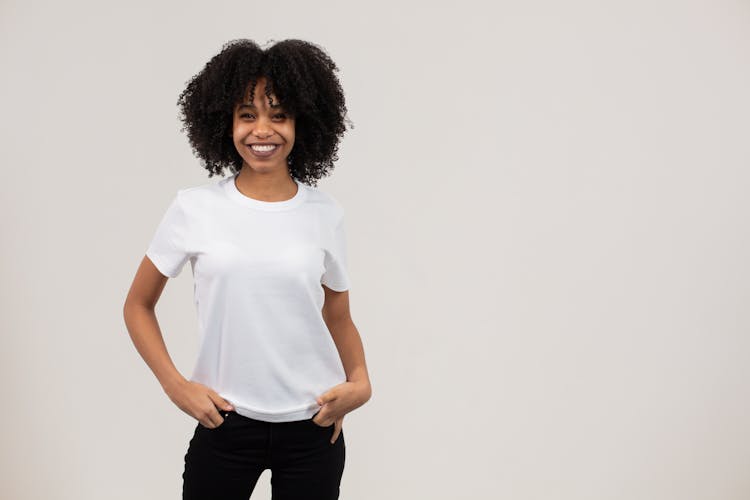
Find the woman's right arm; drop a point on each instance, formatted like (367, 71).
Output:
(195, 399)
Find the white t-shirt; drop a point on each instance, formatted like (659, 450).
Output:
(258, 269)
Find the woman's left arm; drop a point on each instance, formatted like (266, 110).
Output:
(356, 391)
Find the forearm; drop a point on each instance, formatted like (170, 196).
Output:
(351, 351)
(145, 333)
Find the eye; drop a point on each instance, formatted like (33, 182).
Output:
(245, 114)
(280, 115)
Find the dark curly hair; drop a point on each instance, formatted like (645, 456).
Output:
(301, 76)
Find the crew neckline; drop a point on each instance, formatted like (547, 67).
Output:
(231, 189)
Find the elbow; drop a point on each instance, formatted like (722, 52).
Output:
(366, 392)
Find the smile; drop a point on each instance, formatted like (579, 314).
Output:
(263, 151)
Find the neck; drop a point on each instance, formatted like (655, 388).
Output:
(276, 185)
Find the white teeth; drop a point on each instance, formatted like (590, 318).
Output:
(262, 148)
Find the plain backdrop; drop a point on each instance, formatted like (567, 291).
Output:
(548, 235)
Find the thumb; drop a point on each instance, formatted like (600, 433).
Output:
(326, 397)
(219, 401)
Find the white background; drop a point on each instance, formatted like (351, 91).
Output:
(548, 236)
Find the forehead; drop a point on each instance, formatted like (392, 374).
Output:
(256, 94)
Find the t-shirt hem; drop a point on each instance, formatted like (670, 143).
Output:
(304, 414)
(160, 265)
(337, 287)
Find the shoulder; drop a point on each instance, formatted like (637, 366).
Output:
(199, 196)
(324, 202)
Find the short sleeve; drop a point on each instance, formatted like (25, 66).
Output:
(168, 247)
(336, 276)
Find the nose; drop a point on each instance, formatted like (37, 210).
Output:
(262, 128)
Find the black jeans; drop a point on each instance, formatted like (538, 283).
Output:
(224, 463)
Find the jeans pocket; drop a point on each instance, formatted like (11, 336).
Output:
(224, 415)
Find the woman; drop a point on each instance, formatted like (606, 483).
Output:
(280, 362)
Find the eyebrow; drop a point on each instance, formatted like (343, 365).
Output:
(252, 106)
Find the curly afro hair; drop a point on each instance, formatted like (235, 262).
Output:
(301, 76)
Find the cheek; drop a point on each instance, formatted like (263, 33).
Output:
(291, 131)
(239, 134)
(238, 129)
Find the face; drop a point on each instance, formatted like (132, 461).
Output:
(258, 122)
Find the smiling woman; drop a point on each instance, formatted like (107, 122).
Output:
(280, 357)
(262, 132)
(302, 93)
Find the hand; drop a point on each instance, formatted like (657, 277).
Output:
(200, 402)
(338, 401)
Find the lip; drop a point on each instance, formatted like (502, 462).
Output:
(264, 154)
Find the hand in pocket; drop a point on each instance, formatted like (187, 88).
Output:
(200, 402)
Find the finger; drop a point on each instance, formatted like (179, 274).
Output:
(327, 416)
(213, 418)
(211, 415)
(326, 397)
(219, 401)
(337, 430)
(320, 420)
